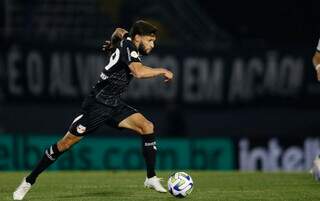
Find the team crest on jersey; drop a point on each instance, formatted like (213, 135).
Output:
(134, 54)
(81, 129)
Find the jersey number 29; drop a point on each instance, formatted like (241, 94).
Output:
(114, 58)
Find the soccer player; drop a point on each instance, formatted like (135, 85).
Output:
(104, 105)
(316, 60)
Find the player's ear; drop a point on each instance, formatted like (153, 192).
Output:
(137, 38)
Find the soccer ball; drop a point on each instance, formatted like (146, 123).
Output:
(180, 184)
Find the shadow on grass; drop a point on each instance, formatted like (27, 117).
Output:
(110, 194)
(99, 194)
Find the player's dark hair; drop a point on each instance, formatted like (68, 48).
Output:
(143, 28)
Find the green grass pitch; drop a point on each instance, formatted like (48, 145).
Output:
(128, 185)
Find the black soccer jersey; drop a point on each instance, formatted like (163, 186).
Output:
(115, 76)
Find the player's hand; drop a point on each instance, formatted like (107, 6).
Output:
(106, 45)
(168, 75)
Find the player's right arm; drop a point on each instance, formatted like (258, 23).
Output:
(316, 61)
(141, 71)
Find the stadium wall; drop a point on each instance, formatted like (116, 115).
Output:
(21, 152)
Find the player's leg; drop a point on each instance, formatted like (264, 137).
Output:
(51, 154)
(145, 128)
(93, 116)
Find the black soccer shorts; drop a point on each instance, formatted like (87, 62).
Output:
(95, 114)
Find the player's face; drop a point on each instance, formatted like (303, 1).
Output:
(146, 44)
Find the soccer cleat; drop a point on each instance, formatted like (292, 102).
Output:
(22, 190)
(315, 171)
(154, 182)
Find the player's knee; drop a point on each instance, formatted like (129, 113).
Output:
(147, 128)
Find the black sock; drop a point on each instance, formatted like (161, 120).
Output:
(149, 151)
(51, 154)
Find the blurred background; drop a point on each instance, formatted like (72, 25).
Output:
(245, 95)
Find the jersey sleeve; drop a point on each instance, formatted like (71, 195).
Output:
(129, 53)
(318, 47)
